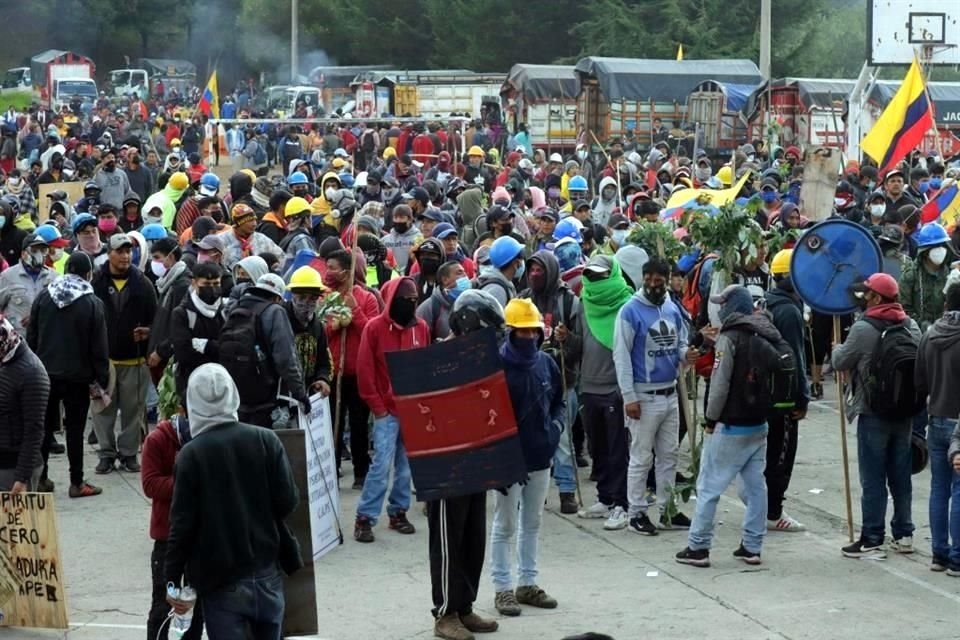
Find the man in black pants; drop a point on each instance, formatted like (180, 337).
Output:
(68, 332)
(785, 307)
(458, 526)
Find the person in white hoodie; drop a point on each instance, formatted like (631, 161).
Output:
(604, 205)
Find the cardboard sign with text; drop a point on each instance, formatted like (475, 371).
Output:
(322, 478)
(74, 192)
(31, 572)
(821, 170)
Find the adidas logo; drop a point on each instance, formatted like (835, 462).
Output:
(663, 334)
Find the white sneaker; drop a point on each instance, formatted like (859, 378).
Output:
(595, 511)
(902, 545)
(618, 520)
(785, 523)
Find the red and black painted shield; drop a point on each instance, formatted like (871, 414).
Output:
(456, 417)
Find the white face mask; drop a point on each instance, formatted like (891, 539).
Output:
(937, 255)
(330, 193)
(158, 268)
(877, 210)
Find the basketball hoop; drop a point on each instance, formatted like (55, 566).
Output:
(902, 30)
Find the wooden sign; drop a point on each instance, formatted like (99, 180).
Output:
(31, 572)
(74, 192)
(821, 170)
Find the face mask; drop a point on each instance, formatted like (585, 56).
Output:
(402, 311)
(203, 257)
(751, 158)
(158, 268)
(877, 210)
(520, 270)
(525, 347)
(36, 258)
(839, 203)
(871, 185)
(107, 225)
(582, 155)
(608, 193)
(537, 281)
(89, 243)
(401, 227)
(110, 166)
(462, 284)
(333, 280)
(56, 255)
(619, 236)
(935, 183)
(703, 173)
(655, 295)
(329, 194)
(768, 197)
(553, 193)
(373, 189)
(304, 310)
(429, 266)
(506, 229)
(937, 255)
(923, 187)
(13, 182)
(389, 193)
(209, 295)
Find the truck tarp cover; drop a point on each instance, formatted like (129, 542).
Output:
(39, 62)
(814, 93)
(165, 67)
(735, 95)
(663, 80)
(537, 82)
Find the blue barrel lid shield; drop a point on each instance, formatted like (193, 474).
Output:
(828, 259)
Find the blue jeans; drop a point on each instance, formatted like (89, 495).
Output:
(941, 480)
(252, 607)
(388, 452)
(883, 454)
(563, 466)
(728, 452)
(523, 503)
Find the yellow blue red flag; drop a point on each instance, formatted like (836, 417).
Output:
(903, 124)
(209, 100)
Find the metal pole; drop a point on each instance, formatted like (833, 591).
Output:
(765, 39)
(294, 44)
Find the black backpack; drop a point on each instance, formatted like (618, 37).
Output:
(242, 355)
(764, 379)
(367, 144)
(890, 390)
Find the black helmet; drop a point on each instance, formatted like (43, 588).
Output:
(475, 310)
(455, 184)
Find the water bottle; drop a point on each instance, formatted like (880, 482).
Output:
(180, 623)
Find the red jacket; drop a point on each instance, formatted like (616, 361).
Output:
(422, 150)
(366, 310)
(382, 335)
(159, 452)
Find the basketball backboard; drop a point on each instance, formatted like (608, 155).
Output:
(898, 30)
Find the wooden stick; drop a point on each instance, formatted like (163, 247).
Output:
(343, 343)
(843, 437)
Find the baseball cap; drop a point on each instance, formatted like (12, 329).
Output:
(616, 220)
(444, 230)
(770, 182)
(580, 204)
(497, 213)
(880, 283)
(556, 157)
(271, 283)
(212, 242)
(120, 240)
(417, 193)
(893, 172)
(33, 240)
(549, 213)
(52, 236)
(599, 265)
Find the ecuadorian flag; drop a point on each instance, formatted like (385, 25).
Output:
(209, 102)
(943, 206)
(902, 124)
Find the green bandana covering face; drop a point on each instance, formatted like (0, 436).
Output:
(601, 302)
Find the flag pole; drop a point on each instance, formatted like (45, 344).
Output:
(926, 91)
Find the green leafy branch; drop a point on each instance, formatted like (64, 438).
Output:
(652, 236)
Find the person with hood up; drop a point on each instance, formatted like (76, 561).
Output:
(218, 533)
(195, 325)
(403, 236)
(397, 328)
(344, 333)
(309, 333)
(299, 236)
(321, 205)
(536, 392)
(172, 163)
(160, 450)
(883, 443)
(169, 198)
(245, 274)
(172, 277)
(11, 237)
(470, 204)
(241, 184)
(429, 256)
(560, 309)
(273, 224)
(649, 348)
(68, 332)
(937, 372)
(786, 311)
(17, 187)
(130, 216)
(738, 444)
(260, 196)
(244, 241)
(114, 184)
(604, 205)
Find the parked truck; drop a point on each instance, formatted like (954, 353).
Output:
(52, 65)
(145, 77)
(17, 79)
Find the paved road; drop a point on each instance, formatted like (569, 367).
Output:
(617, 583)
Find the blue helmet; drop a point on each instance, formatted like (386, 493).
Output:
(577, 183)
(153, 232)
(931, 235)
(296, 178)
(82, 220)
(505, 250)
(347, 180)
(210, 182)
(568, 228)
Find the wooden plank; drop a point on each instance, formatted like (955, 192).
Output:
(31, 571)
(74, 193)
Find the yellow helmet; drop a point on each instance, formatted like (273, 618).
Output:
(389, 152)
(295, 206)
(781, 262)
(306, 278)
(476, 150)
(175, 142)
(179, 181)
(725, 175)
(521, 313)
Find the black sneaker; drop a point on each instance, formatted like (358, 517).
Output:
(130, 464)
(363, 530)
(747, 556)
(57, 448)
(642, 524)
(863, 549)
(678, 521)
(695, 557)
(582, 461)
(939, 564)
(105, 466)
